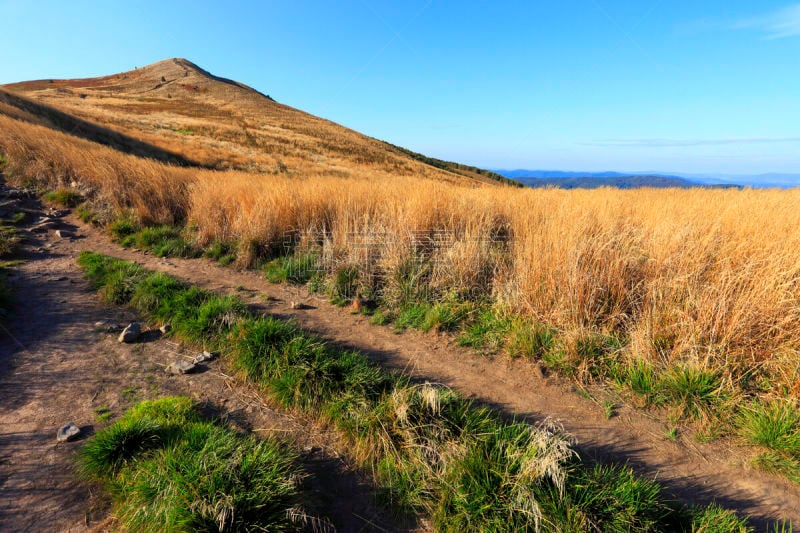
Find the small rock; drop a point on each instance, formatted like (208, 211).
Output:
(130, 333)
(180, 367)
(68, 432)
(58, 278)
(203, 357)
(166, 328)
(297, 305)
(64, 234)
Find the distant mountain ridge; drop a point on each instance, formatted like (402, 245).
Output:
(577, 179)
(620, 182)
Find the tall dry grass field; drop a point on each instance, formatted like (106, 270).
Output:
(703, 278)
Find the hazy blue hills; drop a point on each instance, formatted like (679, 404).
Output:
(620, 182)
(591, 180)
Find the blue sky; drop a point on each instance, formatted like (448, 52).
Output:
(667, 85)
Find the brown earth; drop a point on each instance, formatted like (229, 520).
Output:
(67, 369)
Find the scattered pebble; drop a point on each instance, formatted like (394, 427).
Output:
(203, 357)
(68, 432)
(180, 367)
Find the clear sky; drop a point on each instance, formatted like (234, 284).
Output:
(668, 85)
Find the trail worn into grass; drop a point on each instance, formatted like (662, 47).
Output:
(59, 368)
(691, 472)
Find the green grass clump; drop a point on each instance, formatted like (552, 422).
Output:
(64, 197)
(440, 316)
(715, 519)
(122, 228)
(445, 316)
(292, 269)
(222, 252)
(431, 451)
(775, 426)
(163, 241)
(116, 280)
(612, 498)
(486, 331)
(640, 377)
(411, 316)
(343, 285)
(695, 392)
(86, 215)
(528, 338)
(168, 469)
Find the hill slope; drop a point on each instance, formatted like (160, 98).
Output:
(175, 111)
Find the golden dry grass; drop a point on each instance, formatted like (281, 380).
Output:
(707, 278)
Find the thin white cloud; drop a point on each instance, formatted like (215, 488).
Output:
(779, 24)
(669, 143)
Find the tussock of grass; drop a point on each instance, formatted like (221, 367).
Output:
(775, 426)
(64, 197)
(162, 241)
(431, 451)
(486, 331)
(294, 269)
(221, 252)
(715, 519)
(694, 391)
(169, 470)
(86, 215)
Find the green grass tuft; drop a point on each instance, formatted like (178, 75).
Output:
(774, 425)
(64, 197)
(223, 253)
(292, 269)
(169, 470)
(694, 391)
(715, 519)
(485, 332)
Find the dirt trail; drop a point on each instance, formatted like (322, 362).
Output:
(59, 367)
(691, 472)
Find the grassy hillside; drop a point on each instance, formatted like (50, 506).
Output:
(175, 111)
